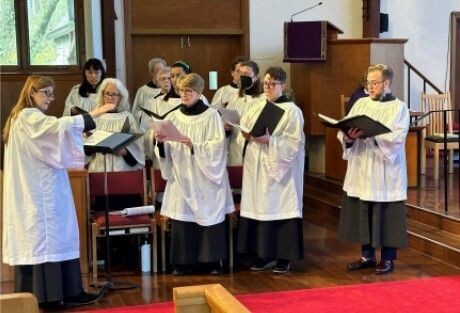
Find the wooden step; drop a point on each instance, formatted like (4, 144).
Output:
(432, 234)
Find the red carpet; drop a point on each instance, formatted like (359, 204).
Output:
(418, 295)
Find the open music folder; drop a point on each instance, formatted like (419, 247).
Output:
(369, 126)
(108, 142)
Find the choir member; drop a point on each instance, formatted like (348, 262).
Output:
(224, 93)
(375, 187)
(197, 196)
(250, 92)
(271, 202)
(40, 230)
(83, 95)
(151, 89)
(120, 119)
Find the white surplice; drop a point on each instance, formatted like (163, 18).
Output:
(198, 189)
(113, 122)
(39, 218)
(376, 168)
(223, 95)
(273, 174)
(235, 142)
(75, 100)
(144, 95)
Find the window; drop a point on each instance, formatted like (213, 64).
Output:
(41, 33)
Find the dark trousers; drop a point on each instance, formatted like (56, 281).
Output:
(387, 253)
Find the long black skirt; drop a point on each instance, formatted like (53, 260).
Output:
(279, 239)
(192, 243)
(374, 223)
(49, 282)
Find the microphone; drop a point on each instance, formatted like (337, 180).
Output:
(307, 9)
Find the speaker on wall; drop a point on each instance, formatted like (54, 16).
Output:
(383, 22)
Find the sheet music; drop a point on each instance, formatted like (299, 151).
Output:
(168, 131)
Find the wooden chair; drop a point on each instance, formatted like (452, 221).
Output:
(235, 177)
(121, 183)
(343, 104)
(433, 134)
(159, 185)
(19, 302)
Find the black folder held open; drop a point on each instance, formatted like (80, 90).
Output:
(369, 126)
(269, 118)
(107, 142)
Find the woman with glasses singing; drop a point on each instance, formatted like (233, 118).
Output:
(120, 119)
(250, 91)
(83, 96)
(197, 196)
(40, 230)
(271, 202)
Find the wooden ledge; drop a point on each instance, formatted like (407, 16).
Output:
(206, 298)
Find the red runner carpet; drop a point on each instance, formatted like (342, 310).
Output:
(439, 294)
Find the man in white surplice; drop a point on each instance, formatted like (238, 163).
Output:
(197, 196)
(375, 187)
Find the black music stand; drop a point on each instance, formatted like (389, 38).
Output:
(111, 143)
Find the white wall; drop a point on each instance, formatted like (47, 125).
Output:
(426, 24)
(267, 19)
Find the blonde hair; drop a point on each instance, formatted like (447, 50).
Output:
(33, 83)
(123, 99)
(387, 72)
(193, 81)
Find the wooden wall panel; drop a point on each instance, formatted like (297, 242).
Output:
(186, 14)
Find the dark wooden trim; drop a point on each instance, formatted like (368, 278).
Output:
(245, 25)
(371, 18)
(128, 46)
(455, 61)
(185, 31)
(108, 36)
(367, 40)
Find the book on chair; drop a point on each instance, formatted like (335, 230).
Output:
(369, 126)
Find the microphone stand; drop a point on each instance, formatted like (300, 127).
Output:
(309, 8)
(109, 283)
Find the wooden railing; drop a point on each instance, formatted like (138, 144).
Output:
(426, 81)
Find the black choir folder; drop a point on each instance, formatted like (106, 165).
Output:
(156, 116)
(107, 142)
(369, 126)
(269, 118)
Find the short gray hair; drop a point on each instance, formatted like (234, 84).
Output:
(153, 62)
(123, 100)
(193, 81)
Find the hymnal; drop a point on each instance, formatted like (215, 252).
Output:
(369, 126)
(269, 118)
(108, 142)
(156, 116)
(147, 209)
(76, 111)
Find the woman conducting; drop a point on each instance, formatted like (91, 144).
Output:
(40, 230)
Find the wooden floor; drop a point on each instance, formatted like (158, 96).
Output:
(323, 266)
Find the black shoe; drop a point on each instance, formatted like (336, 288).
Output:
(85, 298)
(216, 269)
(361, 264)
(261, 265)
(181, 270)
(282, 266)
(385, 267)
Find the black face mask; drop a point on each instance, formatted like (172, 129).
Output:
(246, 81)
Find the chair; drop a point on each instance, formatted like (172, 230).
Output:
(121, 183)
(343, 103)
(235, 177)
(159, 185)
(19, 302)
(433, 135)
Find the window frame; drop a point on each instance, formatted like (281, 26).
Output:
(22, 45)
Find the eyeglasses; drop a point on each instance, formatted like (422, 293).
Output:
(271, 84)
(165, 78)
(374, 83)
(47, 94)
(111, 95)
(187, 91)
